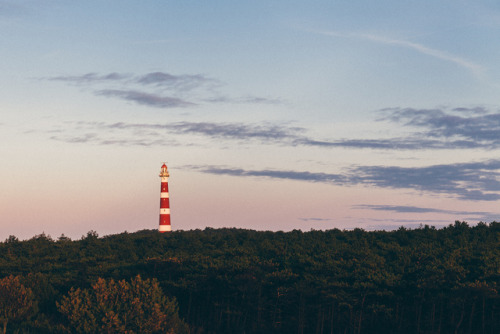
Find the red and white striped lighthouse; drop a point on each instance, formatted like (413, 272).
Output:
(164, 201)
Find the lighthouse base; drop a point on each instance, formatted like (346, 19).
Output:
(165, 228)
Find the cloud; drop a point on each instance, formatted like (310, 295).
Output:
(263, 133)
(472, 111)
(477, 181)
(144, 134)
(92, 138)
(244, 100)
(158, 89)
(476, 69)
(274, 174)
(467, 181)
(459, 215)
(77, 139)
(184, 82)
(152, 100)
(459, 128)
(90, 78)
(240, 131)
(382, 144)
(476, 126)
(316, 219)
(428, 129)
(415, 209)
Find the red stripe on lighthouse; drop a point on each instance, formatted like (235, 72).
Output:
(164, 201)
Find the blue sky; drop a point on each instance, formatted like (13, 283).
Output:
(271, 115)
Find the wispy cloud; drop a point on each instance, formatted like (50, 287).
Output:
(179, 82)
(476, 69)
(90, 78)
(275, 174)
(313, 219)
(457, 214)
(158, 89)
(473, 126)
(244, 100)
(400, 143)
(467, 181)
(458, 128)
(152, 100)
(240, 131)
(478, 181)
(416, 209)
(437, 129)
(101, 131)
(92, 138)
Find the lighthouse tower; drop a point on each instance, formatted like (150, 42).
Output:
(164, 201)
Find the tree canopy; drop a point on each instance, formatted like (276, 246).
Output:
(424, 280)
(138, 306)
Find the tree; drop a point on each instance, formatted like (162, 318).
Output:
(121, 307)
(16, 301)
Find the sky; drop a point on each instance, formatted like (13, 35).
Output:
(271, 115)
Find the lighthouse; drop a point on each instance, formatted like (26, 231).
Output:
(164, 201)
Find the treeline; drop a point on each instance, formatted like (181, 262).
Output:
(424, 280)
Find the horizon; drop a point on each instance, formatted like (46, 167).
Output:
(394, 229)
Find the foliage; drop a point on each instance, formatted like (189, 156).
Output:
(16, 301)
(424, 280)
(121, 307)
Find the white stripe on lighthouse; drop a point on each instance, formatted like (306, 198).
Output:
(164, 195)
(165, 228)
(164, 211)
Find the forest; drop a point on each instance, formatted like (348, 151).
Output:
(423, 280)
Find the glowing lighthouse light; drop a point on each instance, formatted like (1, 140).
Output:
(164, 201)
